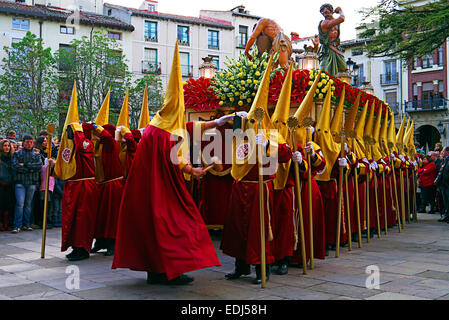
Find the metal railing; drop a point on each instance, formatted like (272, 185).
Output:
(358, 82)
(151, 67)
(151, 38)
(187, 70)
(426, 105)
(389, 78)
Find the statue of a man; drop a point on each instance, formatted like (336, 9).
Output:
(271, 38)
(331, 57)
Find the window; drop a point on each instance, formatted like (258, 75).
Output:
(415, 92)
(390, 67)
(391, 75)
(216, 60)
(357, 52)
(391, 98)
(21, 24)
(151, 8)
(109, 12)
(243, 36)
(427, 61)
(114, 35)
(186, 69)
(67, 30)
(151, 31)
(358, 81)
(66, 50)
(427, 91)
(415, 63)
(183, 35)
(440, 56)
(150, 63)
(212, 39)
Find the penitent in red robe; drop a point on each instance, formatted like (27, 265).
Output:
(160, 229)
(79, 201)
(110, 190)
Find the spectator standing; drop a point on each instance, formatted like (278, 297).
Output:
(56, 202)
(27, 165)
(11, 135)
(38, 199)
(427, 175)
(6, 185)
(442, 182)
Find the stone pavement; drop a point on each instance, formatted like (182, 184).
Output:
(413, 265)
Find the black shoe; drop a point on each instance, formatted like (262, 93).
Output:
(258, 279)
(71, 254)
(282, 269)
(110, 247)
(155, 278)
(241, 269)
(100, 244)
(180, 280)
(80, 254)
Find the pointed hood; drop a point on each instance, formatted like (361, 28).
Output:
(391, 137)
(351, 116)
(383, 137)
(407, 137)
(123, 119)
(171, 118)
(103, 114)
(65, 166)
(279, 119)
(400, 137)
(360, 125)
(305, 109)
(144, 118)
(406, 133)
(337, 124)
(377, 155)
(368, 133)
(323, 123)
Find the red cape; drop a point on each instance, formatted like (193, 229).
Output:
(159, 227)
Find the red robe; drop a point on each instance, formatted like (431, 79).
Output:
(160, 229)
(79, 201)
(317, 215)
(131, 147)
(241, 233)
(109, 190)
(329, 192)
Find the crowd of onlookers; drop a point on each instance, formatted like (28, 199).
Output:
(434, 182)
(23, 177)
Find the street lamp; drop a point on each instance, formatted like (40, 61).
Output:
(207, 68)
(441, 129)
(309, 59)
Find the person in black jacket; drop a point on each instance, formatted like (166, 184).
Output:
(6, 184)
(27, 165)
(442, 181)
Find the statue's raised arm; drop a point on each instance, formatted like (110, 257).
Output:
(331, 56)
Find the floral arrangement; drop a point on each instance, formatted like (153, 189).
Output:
(199, 95)
(322, 86)
(237, 85)
(300, 79)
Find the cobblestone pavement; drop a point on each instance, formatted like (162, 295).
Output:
(413, 264)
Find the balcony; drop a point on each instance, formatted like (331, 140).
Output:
(184, 42)
(213, 46)
(358, 82)
(389, 78)
(187, 70)
(426, 105)
(151, 38)
(150, 67)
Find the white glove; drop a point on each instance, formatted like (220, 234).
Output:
(383, 161)
(346, 148)
(393, 157)
(297, 157)
(365, 160)
(242, 114)
(374, 166)
(223, 120)
(342, 162)
(261, 140)
(309, 149)
(402, 158)
(312, 129)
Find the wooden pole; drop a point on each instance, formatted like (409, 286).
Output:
(51, 131)
(259, 115)
(385, 201)
(293, 124)
(356, 184)
(401, 181)
(348, 213)
(376, 195)
(309, 194)
(367, 205)
(393, 177)
(340, 198)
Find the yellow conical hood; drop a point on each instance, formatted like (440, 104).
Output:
(282, 111)
(103, 114)
(369, 127)
(406, 133)
(171, 117)
(279, 119)
(391, 137)
(144, 118)
(323, 123)
(360, 126)
(407, 136)
(65, 166)
(123, 119)
(305, 109)
(383, 137)
(400, 137)
(337, 123)
(351, 116)
(306, 105)
(377, 155)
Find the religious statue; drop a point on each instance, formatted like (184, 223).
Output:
(271, 38)
(331, 57)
